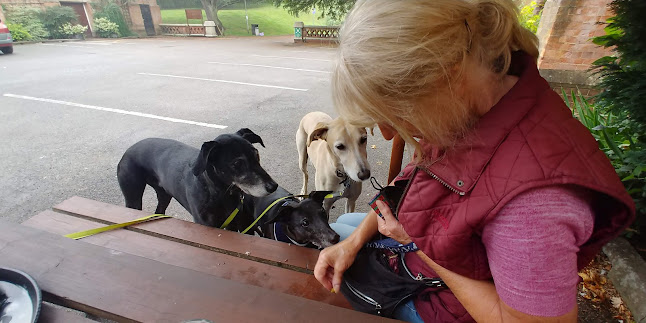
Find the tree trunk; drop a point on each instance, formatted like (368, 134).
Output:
(211, 9)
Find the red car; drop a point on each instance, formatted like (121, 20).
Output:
(6, 43)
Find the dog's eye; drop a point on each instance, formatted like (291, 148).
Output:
(363, 140)
(305, 223)
(340, 146)
(237, 163)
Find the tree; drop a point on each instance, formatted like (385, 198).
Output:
(335, 9)
(211, 8)
(623, 75)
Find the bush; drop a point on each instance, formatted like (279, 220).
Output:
(29, 19)
(527, 17)
(54, 18)
(18, 32)
(619, 139)
(105, 28)
(623, 80)
(113, 13)
(70, 30)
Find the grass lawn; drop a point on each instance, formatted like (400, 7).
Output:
(271, 20)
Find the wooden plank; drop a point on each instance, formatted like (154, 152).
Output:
(206, 261)
(123, 287)
(239, 245)
(396, 157)
(51, 314)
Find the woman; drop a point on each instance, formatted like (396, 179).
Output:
(506, 186)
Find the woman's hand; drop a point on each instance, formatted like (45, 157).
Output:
(333, 262)
(390, 226)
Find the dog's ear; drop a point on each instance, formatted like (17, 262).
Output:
(202, 159)
(250, 136)
(319, 196)
(320, 132)
(284, 211)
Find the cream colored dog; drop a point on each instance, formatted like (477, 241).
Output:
(338, 153)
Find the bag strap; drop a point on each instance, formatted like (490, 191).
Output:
(392, 245)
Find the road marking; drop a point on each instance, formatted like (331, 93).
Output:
(277, 67)
(224, 81)
(102, 43)
(59, 45)
(286, 57)
(132, 113)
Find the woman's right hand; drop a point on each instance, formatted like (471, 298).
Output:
(333, 262)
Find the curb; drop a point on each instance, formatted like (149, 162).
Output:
(69, 40)
(45, 41)
(628, 274)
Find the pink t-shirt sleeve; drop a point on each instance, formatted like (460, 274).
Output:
(532, 245)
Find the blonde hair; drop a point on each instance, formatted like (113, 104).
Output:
(398, 62)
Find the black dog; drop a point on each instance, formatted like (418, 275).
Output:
(301, 222)
(208, 182)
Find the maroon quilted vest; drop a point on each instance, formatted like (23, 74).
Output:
(527, 140)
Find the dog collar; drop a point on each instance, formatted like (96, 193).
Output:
(278, 232)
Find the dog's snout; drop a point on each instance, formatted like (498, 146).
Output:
(336, 239)
(271, 187)
(364, 174)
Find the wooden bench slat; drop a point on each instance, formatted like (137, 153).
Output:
(52, 314)
(124, 287)
(209, 262)
(240, 245)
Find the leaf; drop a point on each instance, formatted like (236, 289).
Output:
(585, 277)
(616, 302)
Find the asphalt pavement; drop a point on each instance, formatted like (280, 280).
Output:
(71, 109)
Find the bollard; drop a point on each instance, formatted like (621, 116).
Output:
(209, 29)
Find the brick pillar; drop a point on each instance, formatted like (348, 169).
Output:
(565, 33)
(565, 46)
(2, 15)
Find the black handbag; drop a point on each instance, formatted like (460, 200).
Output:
(371, 286)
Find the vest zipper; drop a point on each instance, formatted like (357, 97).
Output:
(435, 177)
(364, 297)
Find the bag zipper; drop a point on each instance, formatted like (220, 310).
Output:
(430, 282)
(364, 297)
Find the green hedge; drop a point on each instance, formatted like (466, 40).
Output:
(112, 12)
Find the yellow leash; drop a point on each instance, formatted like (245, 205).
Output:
(263, 213)
(233, 214)
(87, 233)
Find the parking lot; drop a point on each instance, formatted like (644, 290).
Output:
(71, 109)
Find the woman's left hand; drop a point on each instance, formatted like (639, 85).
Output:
(390, 226)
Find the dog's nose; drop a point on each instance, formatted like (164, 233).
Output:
(271, 187)
(364, 174)
(335, 239)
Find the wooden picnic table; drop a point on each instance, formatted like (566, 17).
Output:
(165, 270)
